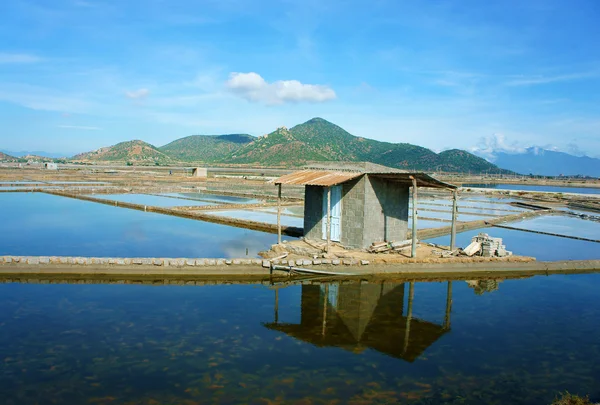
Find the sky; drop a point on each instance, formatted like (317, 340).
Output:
(76, 75)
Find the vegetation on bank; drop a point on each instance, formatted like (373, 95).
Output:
(570, 399)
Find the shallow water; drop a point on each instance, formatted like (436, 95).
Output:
(260, 216)
(504, 342)
(552, 189)
(154, 200)
(562, 225)
(46, 225)
(215, 198)
(542, 247)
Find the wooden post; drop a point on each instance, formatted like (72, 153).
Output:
(279, 215)
(448, 305)
(276, 305)
(328, 218)
(411, 295)
(325, 309)
(454, 217)
(414, 217)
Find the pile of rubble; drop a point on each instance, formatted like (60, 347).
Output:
(384, 247)
(486, 246)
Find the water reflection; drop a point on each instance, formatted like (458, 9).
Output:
(358, 316)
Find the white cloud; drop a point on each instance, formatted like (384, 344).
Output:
(6, 58)
(137, 94)
(252, 87)
(536, 80)
(84, 128)
(490, 145)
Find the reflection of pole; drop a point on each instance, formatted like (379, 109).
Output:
(325, 308)
(414, 217)
(448, 306)
(328, 218)
(454, 216)
(279, 215)
(411, 294)
(276, 305)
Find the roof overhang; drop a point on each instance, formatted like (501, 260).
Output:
(327, 178)
(324, 178)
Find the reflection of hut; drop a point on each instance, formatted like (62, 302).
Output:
(50, 166)
(199, 172)
(357, 204)
(360, 316)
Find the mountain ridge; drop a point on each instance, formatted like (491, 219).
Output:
(315, 140)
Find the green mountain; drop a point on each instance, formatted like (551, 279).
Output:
(205, 148)
(320, 140)
(131, 151)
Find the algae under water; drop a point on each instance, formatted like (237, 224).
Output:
(519, 342)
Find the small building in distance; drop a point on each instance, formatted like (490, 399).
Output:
(199, 172)
(50, 166)
(367, 202)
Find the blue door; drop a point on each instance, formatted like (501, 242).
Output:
(336, 213)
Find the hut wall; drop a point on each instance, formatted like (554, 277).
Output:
(313, 212)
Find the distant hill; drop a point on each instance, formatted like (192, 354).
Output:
(548, 163)
(34, 153)
(320, 140)
(205, 148)
(5, 157)
(131, 151)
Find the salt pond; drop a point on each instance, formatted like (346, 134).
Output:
(347, 344)
(215, 198)
(148, 199)
(41, 224)
(524, 187)
(260, 216)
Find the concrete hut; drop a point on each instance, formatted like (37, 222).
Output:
(357, 204)
(199, 172)
(50, 166)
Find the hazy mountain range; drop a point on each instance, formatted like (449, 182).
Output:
(547, 163)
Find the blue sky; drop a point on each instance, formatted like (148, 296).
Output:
(76, 75)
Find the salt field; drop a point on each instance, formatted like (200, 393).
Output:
(524, 187)
(39, 224)
(154, 200)
(500, 342)
(215, 198)
(259, 216)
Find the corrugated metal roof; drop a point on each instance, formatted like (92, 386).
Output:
(326, 178)
(323, 178)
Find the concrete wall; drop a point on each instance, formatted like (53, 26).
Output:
(386, 211)
(373, 210)
(353, 212)
(313, 212)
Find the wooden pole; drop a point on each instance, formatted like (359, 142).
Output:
(279, 215)
(454, 217)
(276, 305)
(328, 218)
(325, 309)
(448, 305)
(414, 217)
(411, 295)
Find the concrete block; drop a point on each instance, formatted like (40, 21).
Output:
(256, 261)
(306, 262)
(44, 260)
(146, 261)
(266, 264)
(347, 262)
(336, 262)
(220, 262)
(112, 261)
(33, 260)
(228, 262)
(8, 260)
(190, 262)
(180, 262)
(276, 261)
(237, 262)
(211, 262)
(317, 262)
(136, 261)
(104, 260)
(284, 262)
(119, 262)
(190, 283)
(246, 262)
(127, 261)
(326, 261)
(291, 263)
(364, 263)
(200, 262)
